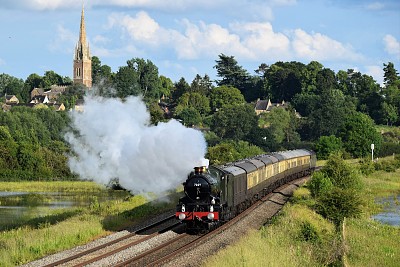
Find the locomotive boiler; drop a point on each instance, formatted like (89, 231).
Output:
(217, 194)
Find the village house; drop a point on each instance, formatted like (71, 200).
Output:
(263, 106)
(12, 100)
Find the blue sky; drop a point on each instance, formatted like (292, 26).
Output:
(184, 37)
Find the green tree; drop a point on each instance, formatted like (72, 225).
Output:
(189, 116)
(326, 145)
(358, 132)
(225, 96)
(197, 101)
(126, 82)
(231, 73)
(201, 85)
(234, 122)
(181, 87)
(51, 78)
(147, 74)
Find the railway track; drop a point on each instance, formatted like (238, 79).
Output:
(112, 247)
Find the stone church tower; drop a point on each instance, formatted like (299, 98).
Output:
(82, 59)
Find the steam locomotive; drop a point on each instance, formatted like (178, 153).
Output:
(219, 193)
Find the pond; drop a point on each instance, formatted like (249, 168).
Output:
(391, 210)
(17, 208)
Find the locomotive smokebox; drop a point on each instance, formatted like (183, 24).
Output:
(199, 170)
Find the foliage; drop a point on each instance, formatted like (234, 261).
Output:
(229, 151)
(225, 96)
(338, 204)
(327, 145)
(231, 73)
(234, 122)
(366, 166)
(341, 173)
(319, 184)
(358, 132)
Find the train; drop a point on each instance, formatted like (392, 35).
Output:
(218, 193)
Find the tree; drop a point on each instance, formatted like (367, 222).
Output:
(234, 122)
(325, 80)
(190, 116)
(181, 87)
(326, 145)
(51, 78)
(390, 76)
(225, 96)
(358, 132)
(126, 82)
(231, 73)
(147, 74)
(329, 114)
(202, 85)
(196, 101)
(166, 86)
(279, 124)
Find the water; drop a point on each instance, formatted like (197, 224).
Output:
(391, 210)
(17, 208)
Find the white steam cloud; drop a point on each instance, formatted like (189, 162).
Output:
(116, 140)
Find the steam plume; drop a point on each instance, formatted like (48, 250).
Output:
(116, 140)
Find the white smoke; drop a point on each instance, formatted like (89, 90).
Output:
(116, 140)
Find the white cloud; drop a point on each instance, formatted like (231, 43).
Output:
(247, 41)
(376, 72)
(375, 6)
(392, 46)
(317, 46)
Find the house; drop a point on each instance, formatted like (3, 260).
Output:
(266, 106)
(40, 99)
(12, 99)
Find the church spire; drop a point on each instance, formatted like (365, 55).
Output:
(82, 59)
(82, 32)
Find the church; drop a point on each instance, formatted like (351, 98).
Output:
(82, 66)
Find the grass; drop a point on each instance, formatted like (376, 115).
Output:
(300, 237)
(59, 186)
(371, 243)
(68, 228)
(284, 242)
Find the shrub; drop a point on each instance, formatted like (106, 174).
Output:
(308, 232)
(367, 166)
(327, 145)
(338, 204)
(319, 184)
(341, 173)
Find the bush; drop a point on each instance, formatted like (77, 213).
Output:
(327, 145)
(308, 232)
(339, 204)
(367, 166)
(341, 174)
(319, 184)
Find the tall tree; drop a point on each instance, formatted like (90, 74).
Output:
(231, 73)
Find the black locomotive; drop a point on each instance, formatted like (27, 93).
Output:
(219, 193)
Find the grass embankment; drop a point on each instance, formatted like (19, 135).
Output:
(70, 227)
(298, 236)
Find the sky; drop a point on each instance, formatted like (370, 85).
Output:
(184, 37)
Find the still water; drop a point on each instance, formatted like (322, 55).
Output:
(16, 208)
(391, 210)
